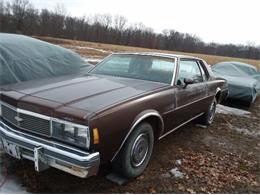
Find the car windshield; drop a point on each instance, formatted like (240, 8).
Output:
(143, 67)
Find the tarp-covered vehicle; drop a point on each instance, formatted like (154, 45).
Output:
(243, 79)
(23, 58)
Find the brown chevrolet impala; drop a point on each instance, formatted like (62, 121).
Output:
(113, 114)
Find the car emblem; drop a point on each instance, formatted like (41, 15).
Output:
(18, 119)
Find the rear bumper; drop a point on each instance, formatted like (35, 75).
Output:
(47, 154)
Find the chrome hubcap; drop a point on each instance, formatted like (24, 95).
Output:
(212, 111)
(139, 150)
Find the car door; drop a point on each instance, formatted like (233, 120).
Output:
(188, 99)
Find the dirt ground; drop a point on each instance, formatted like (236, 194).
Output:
(222, 158)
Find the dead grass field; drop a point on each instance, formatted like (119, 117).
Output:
(84, 49)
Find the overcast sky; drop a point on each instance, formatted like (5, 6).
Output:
(222, 21)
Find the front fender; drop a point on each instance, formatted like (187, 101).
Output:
(138, 119)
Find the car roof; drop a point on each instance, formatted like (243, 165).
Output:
(158, 54)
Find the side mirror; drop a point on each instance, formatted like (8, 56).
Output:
(188, 82)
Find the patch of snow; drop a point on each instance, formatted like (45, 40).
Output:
(165, 175)
(8, 184)
(176, 173)
(178, 162)
(202, 126)
(232, 111)
(91, 48)
(12, 187)
(245, 131)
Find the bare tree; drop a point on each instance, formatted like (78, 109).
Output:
(31, 21)
(1, 7)
(60, 9)
(44, 23)
(1, 13)
(120, 22)
(107, 20)
(19, 8)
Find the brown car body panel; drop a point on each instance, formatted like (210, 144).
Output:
(114, 105)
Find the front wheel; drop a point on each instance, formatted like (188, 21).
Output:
(136, 152)
(208, 117)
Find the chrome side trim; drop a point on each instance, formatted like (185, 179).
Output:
(135, 124)
(188, 104)
(180, 126)
(192, 102)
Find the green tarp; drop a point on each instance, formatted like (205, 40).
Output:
(243, 79)
(23, 58)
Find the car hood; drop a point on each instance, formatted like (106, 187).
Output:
(73, 95)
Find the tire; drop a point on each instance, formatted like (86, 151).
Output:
(136, 152)
(208, 117)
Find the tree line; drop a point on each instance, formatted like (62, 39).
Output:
(20, 16)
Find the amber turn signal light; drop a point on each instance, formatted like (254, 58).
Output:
(95, 136)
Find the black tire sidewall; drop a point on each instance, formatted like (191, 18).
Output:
(208, 121)
(126, 167)
(205, 118)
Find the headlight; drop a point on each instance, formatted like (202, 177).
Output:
(71, 133)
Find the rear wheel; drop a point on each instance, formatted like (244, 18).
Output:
(208, 117)
(136, 152)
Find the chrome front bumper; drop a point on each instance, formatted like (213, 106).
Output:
(47, 154)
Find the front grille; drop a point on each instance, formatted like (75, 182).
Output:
(9, 115)
(26, 122)
(38, 125)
